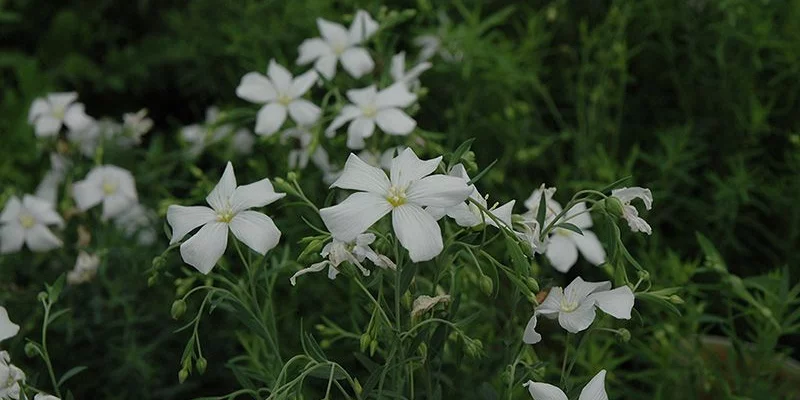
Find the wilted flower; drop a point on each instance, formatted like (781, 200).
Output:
(594, 390)
(107, 184)
(281, 94)
(574, 306)
(8, 329)
(424, 303)
(50, 113)
(629, 212)
(411, 77)
(200, 136)
(403, 195)
(370, 107)
(468, 214)
(48, 187)
(563, 244)
(337, 44)
(355, 252)
(10, 378)
(85, 268)
(25, 222)
(229, 210)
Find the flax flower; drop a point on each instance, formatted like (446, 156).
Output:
(339, 44)
(355, 252)
(107, 184)
(49, 113)
(26, 222)
(594, 390)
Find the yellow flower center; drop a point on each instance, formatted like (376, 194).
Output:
(27, 221)
(109, 187)
(284, 99)
(369, 111)
(59, 112)
(396, 196)
(225, 215)
(339, 48)
(568, 306)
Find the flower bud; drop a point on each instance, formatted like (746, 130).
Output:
(178, 309)
(201, 364)
(423, 350)
(159, 261)
(624, 335)
(613, 206)
(644, 275)
(42, 296)
(675, 299)
(152, 280)
(365, 342)
(373, 346)
(533, 285)
(487, 286)
(182, 375)
(31, 350)
(291, 176)
(474, 348)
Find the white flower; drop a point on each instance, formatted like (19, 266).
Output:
(411, 77)
(563, 244)
(355, 252)
(107, 184)
(200, 136)
(594, 390)
(8, 329)
(629, 212)
(43, 396)
(371, 107)
(57, 109)
(48, 187)
(575, 306)
(25, 222)
(137, 220)
(424, 303)
(531, 233)
(85, 268)
(281, 94)
(137, 125)
(10, 378)
(403, 194)
(468, 214)
(300, 139)
(243, 141)
(229, 210)
(337, 44)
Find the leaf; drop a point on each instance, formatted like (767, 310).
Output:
(571, 227)
(56, 315)
(615, 184)
(54, 291)
(69, 374)
(541, 212)
(406, 276)
(518, 259)
(323, 371)
(459, 152)
(482, 173)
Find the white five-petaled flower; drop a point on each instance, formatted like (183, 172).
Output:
(201, 135)
(355, 252)
(403, 194)
(48, 114)
(371, 107)
(85, 268)
(563, 244)
(411, 77)
(337, 43)
(107, 184)
(629, 212)
(468, 214)
(229, 210)
(280, 93)
(25, 222)
(574, 306)
(594, 390)
(10, 378)
(8, 329)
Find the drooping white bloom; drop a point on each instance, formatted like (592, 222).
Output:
(8, 329)
(339, 44)
(48, 187)
(25, 222)
(230, 210)
(137, 220)
(563, 244)
(281, 94)
(243, 141)
(43, 396)
(371, 107)
(594, 390)
(424, 303)
(355, 252)
(107, 184)
(574, 306)
(11, 378)
(199, 136)
(411, 77)
(629, 212)
(468, 214)
(85, 268)
(137, 125)
(49, 113)
(403, 194)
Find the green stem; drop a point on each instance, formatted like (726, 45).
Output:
(45, 354)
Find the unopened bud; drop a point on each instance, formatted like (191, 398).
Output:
(423, 351)
(533, 285)
(373, 346)
(474, 348)
(152, 280)
(613, 206)
(487, 286)
(291, 176)
(644, 275)
(31, 350)
(365, 342)
(182, 375)
(178, 309)
(201, 364)
(624, 335)
(42, 296)
(675, 299)
(159, 261)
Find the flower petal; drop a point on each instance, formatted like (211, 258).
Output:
(47, 125)
(362, 28)
(530, 336)
(358, 175)
(544, 391)
(354, 215)
(503, 213)
(62, 99)
(635, 222)
(438, 191)
(8, 329)
(115, 205)
(219, 197)
(313, 268)
(552, 303)
(396, 95)
(364, 96)
(578, 216)
(617, 303)
(12, 210)
(42, 210)
(417, 231)
(256, 88)
(562, 252)
(39, 238)
(395, 122)
(12, 237)
(407, 167)
(280, 77)
(75, 117)
(326, 65)
(38, 108)
(596, 388)
(185, 219)
(48, 187)
(579, 319)
(302, 83)
(357, 131)
(256, 194)
(87, 194)
(398, 67)
(270, 118)
(204, 249)
(256, 230)
(590, 247)
(312, 49)
(626, 195)
(578, 290)
(304, 112)
(463, 215)
(348, 113)
(333, 33)
(357, 62)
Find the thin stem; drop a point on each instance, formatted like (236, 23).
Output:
(564, 362)
(45, 354)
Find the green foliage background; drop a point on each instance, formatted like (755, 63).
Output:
(698, 100)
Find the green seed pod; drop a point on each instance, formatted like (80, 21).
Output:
(365, 342)
(182, 375)
(201, 364)
(487, 286)
(178, 309)
(373, 346)
(675, 299)
(31, 350)
(624, 335)
(533, 285)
